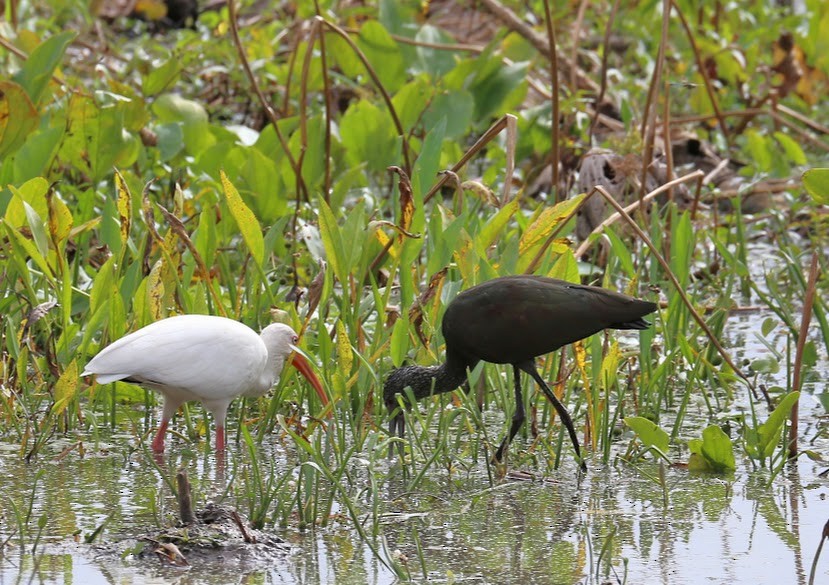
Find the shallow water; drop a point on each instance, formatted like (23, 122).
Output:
(613, 525)
(565, 528)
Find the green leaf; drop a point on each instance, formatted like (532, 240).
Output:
(759, 151)
(191, 115)
(411, 101)
(399, 341)
(713, 453)
(816, 182)
(456, 107)
(261, 178)
(369, 138)
(769, 433)
(94, 140)
(170, 140)
(383, 54)
(245, 219)
(435, 62)
(494, 84)
(496, 224)
(793, 151)
(162, 77)
(769, 323)
(38, 69)
(18, 117)
(649, 433)
(332, 241)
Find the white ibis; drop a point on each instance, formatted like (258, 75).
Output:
(513, 320)
(201, 357)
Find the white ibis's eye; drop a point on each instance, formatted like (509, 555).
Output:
(295, 339)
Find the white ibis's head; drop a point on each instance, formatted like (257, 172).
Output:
(281, 340)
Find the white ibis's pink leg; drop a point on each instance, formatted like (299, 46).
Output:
(220, 438)
(158, 441)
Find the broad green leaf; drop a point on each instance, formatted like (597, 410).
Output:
(369, 137)
(383, 54)
(566, 267)
(170, 140)
(649, 433)
(399, 340)
(30, 250)
(714, 452)
(245, 219)
(191, 115)
(425, 172)
(759, 150)
(38, 69)
(497, 223)
(793, 151)
(494, 83)
(65, 388)
(35, 218)
(763, 443)
(174, 108)
(103, 285)
(162, 77)
(454, 106)
(621, 250)
(18, 117)
(435, 62)
(205, 237)
(332, 241)
(411, 101)
(32, 192)
(94, 140)
(263, 183)
(816, 182)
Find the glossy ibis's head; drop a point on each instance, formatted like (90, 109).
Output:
(396, 383)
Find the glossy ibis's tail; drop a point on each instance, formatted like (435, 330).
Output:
(636, 324)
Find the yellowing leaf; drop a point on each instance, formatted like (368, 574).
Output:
(546, 222)
(155, 291)
(65, 388)
(245, 219)
(16, 126)
(60, 219)
(384, 241)
(345, 358)
(124, 205)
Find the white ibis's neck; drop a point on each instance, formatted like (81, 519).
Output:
(273, 367)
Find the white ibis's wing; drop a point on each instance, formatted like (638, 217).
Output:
(211, 357)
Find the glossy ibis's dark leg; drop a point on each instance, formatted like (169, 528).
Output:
(517, 417)
(397, 428)
(529, 367)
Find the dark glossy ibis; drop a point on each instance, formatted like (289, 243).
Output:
(513, 320)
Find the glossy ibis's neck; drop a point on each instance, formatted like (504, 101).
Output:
(425, 380)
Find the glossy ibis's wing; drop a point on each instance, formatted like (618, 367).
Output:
(515, 318)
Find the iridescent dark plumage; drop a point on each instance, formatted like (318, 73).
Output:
(513, 320)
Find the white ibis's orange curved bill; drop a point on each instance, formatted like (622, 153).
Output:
(304, 367)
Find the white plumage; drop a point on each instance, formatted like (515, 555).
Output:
(201, 357)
